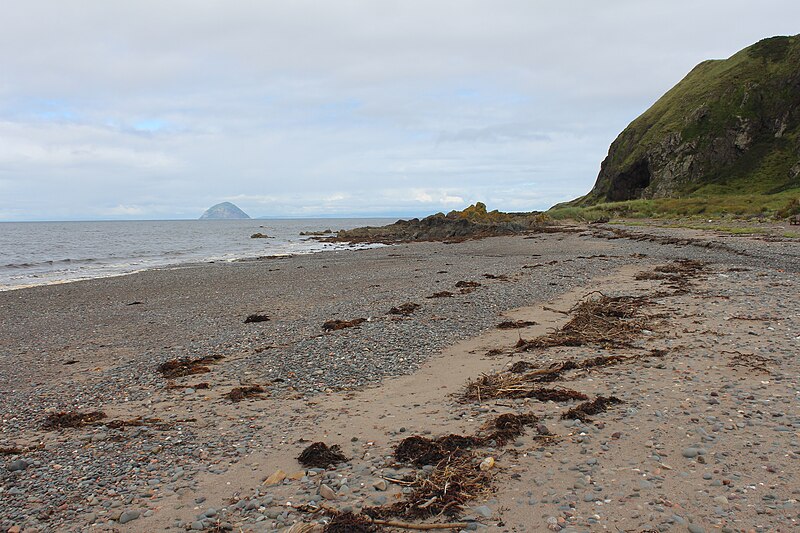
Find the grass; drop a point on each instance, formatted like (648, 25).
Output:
(714, 102)
(701, 205)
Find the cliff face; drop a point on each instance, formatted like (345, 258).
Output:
(730, 126)
(224, 211)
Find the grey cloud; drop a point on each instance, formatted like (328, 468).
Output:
(514, 101)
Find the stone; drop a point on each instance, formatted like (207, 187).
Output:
(276, 478)
(380, 485)
(484, 511)
(18, 465)
(128, 516)
(326, 492)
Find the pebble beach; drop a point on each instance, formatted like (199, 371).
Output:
(706, 436)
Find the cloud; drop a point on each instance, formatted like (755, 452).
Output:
(495, 134)
(123, 210)
(428, 196)
(299, 108)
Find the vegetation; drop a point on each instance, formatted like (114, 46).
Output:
(780, 205)
(729, 128)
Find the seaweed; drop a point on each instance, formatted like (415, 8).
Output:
(511, 385)
(454, 481)
(516, 324)
(133, 422)
(186, 366)
(508, 427)
(251, 319)
(242, 393)
(521, 366)
(602, 319)
(320, 455)
(442, 294)
(405, 309)
(335, 325)
(351, 523)
(72, 419)
(583, 411)
(422, 451)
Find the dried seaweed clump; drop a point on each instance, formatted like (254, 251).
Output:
(133, 422)
(508, 427)
(248, 391)
(351, 523)
(521, 366)
(515, 324)
(513, 385)
(72, 419)
(424, 451)
(405, 309)
(186, 366)
(682, 266)
(583, 411)
(335, 325)
(251, 319)
(605, 320)
(679, 273)
(320, 455)
(453, 482)
(442, 294)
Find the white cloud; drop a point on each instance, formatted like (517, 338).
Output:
(123, 210)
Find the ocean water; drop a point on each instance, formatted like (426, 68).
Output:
(38, 253)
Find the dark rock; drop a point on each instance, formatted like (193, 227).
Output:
(18, 465)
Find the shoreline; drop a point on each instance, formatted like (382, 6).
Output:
(195, 264)
(98, 344)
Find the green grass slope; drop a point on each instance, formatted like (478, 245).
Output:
(729, 128)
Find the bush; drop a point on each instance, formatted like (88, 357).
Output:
(790, 209)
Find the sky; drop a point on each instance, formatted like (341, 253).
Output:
(158, 110)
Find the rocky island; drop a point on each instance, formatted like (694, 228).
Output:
(224, 211)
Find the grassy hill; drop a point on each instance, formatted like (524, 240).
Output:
(726, 139)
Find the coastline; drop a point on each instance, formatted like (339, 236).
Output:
(40, 253)
(350, 383)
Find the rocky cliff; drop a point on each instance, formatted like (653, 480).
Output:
(224, 211)
(730, 126)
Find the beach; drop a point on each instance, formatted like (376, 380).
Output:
(704, 436)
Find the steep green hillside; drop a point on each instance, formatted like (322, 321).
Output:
(730, 127)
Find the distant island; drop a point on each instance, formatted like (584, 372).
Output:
(224, 211)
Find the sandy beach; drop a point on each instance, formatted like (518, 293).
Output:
(703, 433)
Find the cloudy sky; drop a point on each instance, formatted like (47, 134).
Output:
(159, 109)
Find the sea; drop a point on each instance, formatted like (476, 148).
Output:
(42, 253)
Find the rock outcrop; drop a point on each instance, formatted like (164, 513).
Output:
(224, 211)
(730, 126)
(474, 222)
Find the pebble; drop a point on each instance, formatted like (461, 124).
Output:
(18, 465)
(128, 516)
(483, 510)
(328, 493)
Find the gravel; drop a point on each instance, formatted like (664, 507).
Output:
(199, 310)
